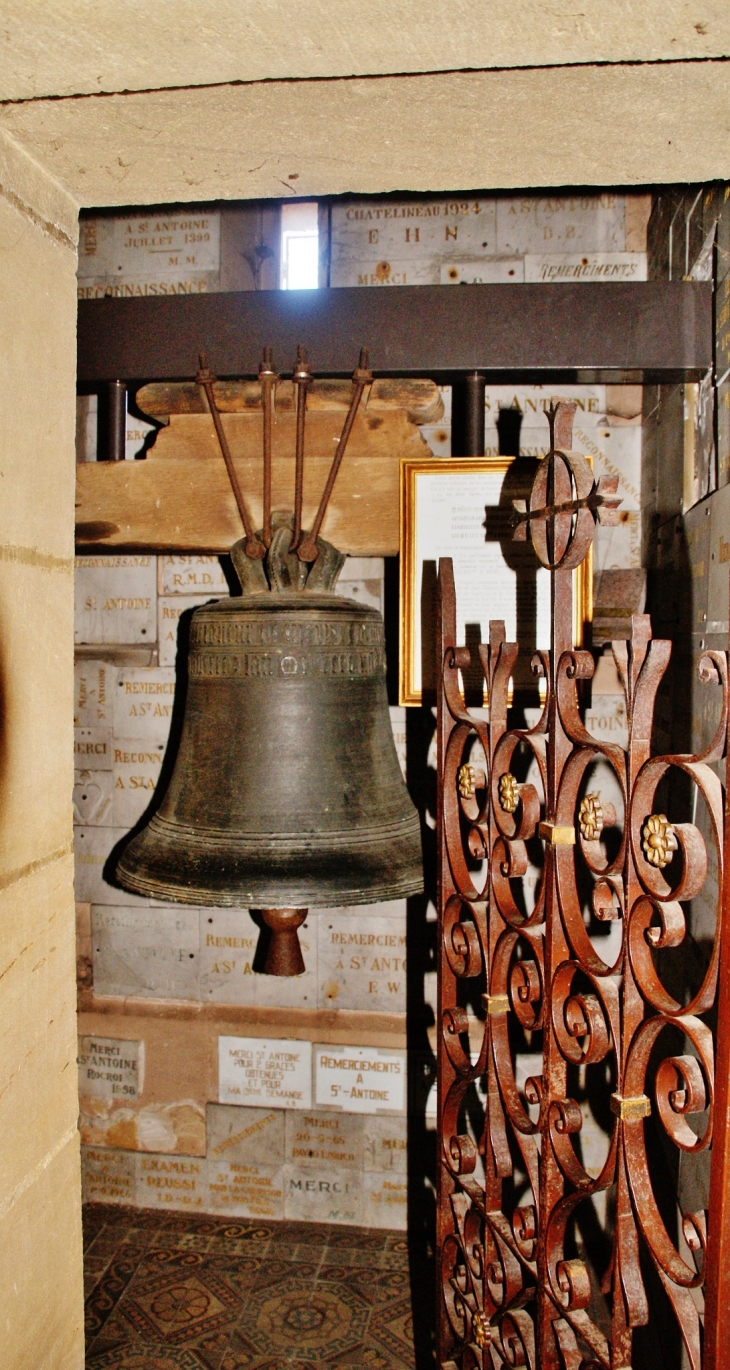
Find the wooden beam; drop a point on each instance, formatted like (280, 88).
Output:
(420, 398)
(179, 499)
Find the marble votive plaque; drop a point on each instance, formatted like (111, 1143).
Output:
(264, 1072)
(108, 1176)
(362, 960)
(94, 694)
(115, 599)
(169, 609)
(386, 1145)
(172, 1182)
(385, 1201)
(144, 700)
(110, 1068)
(327, 1195)
(147, 952)
(245, 1190)
(323, 1139)
(360, 1079)
(136, 768)
(93, 799)
(192, 575)
(251, 1136)
(92, 848)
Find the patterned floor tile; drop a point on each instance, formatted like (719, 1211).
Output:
(392, 1327)
(170, 1291)
(180, 1305)
(146, 1358)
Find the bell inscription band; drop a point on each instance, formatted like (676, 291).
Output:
(286, 791)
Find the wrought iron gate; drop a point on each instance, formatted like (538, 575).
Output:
(522, 975)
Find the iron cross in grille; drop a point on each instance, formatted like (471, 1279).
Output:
(555, 1250)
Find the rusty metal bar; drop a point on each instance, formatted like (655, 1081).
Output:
(205, 378)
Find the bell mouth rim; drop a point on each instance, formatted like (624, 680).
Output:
(264, 897)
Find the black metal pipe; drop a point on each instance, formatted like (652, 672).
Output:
(116, 443)
(475, 383)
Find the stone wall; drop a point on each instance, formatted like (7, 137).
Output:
(40, 1235)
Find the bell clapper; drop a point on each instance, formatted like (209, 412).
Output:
(284, 955)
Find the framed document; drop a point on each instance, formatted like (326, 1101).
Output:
(461, 507)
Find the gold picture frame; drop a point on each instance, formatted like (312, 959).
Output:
(413, 541)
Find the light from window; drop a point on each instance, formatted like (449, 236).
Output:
(299, 246)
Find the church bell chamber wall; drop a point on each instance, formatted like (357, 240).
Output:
(41, 1289)
(204, 1084)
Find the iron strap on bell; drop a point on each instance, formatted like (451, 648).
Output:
(286, 791)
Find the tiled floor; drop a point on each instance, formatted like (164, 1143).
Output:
(167, 1291)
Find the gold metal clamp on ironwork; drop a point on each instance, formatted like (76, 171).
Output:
(516, 1284)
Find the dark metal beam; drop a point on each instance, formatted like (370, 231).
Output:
(658, 330)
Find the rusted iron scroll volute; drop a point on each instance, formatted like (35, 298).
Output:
(537, 1269)
(286, 791)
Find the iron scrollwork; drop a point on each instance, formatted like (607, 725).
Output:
(522, 973)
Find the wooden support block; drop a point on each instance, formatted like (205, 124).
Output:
(179, 499)
(420, 398)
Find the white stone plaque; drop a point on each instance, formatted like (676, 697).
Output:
(404, 242)
(385, 1201)
(438, 437)
(138, 431)
(110, 1068)
(146, 952)
(560, 223)
(94, 694)
(149, 254)
(169, 609)
(229, 940)
(92, 847)
(619, 548)
(172, 1182)
(108, 1176)
(488, 271)
(269, 1073)
(322, 1139)
(360, 1079)
(386, 1145)
(198, 575)
(362, 961)
(251, 1136)
(532, 402)
(585, 266)
(245, 1190)
(115, 599)
(136, 770)
(93, 799)
(363, 591)
(93, 749)
(616, 451)
(145, 696)
(327, 1195)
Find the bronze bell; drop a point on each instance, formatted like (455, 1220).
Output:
(286, 791)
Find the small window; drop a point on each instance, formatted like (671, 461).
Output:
(299, 246)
